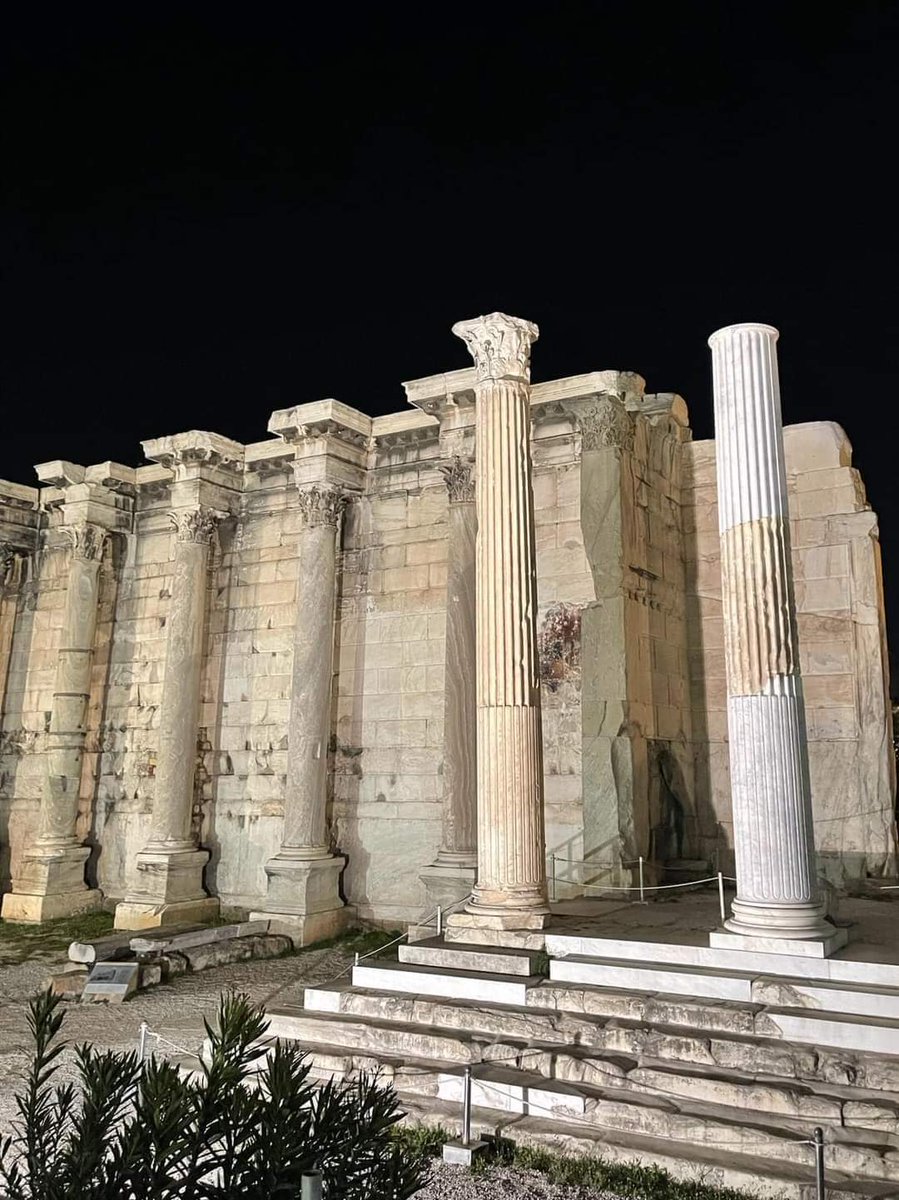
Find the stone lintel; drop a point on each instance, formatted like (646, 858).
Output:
(18, 495)
(199, 454)
(59, 473)
(112, 475)
(663, 404)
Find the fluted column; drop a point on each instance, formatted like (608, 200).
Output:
(303, 897)
(452, 875)
(169, 874)
(51, 882)
(777, 890)
(510, 892)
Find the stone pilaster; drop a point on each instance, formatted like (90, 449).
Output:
(303, 897)
(169, 883)
(777, 890)
(50, 879)
(452, 875)
(510, 892)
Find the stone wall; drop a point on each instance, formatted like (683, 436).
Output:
(629, 625)
(836, 560)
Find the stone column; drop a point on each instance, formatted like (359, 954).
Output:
(777, 889)
(452, 875)
(169, 885)
(303, 898)
(51, 880)
(510, 892)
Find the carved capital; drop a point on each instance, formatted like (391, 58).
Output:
(458, 477)
(499, 345)
(195, 524)
(87, 540)
(321, 506)
(9, 560)
(606, 422)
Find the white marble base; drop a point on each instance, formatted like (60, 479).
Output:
(820, 947)
(34, 909)
(50, 884)
(455, 1154)
(309, 928)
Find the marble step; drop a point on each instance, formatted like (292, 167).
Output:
(435, 952)
(839, 968)
(752, 1172)
(670, 980)
(707, 983)
(670, 1029)
(492, 988)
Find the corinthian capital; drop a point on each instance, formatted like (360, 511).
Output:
(321, 506)
(457, 476)
(499, 345)
(195, 524)
(605, 422)
(87, 541)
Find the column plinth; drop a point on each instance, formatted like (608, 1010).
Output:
(451, 877)
(169, 869)
(510, 892)
(778, 896)
(50, 879)
(303, 894)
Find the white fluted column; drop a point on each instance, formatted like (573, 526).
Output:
(50, 881)
(168, 886)
(303, 897)
(510, 892)
(777, 889)
(452, 875)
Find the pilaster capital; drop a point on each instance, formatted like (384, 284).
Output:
(86, 539)
(458, 476)
(604, 421)
(10, 557)
(500, 345)
(321, 505)
(195, 524)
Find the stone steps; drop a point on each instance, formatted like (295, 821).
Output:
(434, 952)
(390, 976)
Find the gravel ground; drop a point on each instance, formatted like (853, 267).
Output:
(501, 1183)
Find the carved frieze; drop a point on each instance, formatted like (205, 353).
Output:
(500, 345)
(459, 479)
(195, 524)
(605, 422)
(322, 506)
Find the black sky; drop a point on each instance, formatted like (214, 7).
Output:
(208, 216)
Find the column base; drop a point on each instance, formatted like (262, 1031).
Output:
(778, 920)
(50, 884)
(303, 898)
(169, 890)
(448, 883)
(500, 922)
(822, 946)
(131, 914)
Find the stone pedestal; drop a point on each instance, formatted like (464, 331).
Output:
(50, 880)
(303, 896)
(777, 889)
(451, 877)
(510, 892)
(169, 884)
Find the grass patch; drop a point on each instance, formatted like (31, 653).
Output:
(630, 1180)
(20, 942)
(423, 1141)
(355, 941)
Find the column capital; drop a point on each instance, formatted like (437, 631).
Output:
(500, 345)
(195, 524)
(86, 539)
(604, 421)
(458, 476)
(321, 505)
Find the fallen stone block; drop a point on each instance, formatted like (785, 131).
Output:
(110, 949)
(150, 944)
(68, 983)
(150, 975)
(238, 949)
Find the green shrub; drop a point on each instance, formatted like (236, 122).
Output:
(250, 1127)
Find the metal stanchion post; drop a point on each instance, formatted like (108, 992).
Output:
(439, 921)
(142, 1047)
(640, 864)
(819, 1162)
(552, 877)
(311, 1186)
(721, 904)
(466, 1108)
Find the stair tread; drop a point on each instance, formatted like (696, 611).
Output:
(392, 964)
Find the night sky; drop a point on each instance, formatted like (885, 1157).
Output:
(209, 216)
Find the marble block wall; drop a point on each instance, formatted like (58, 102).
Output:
(842, 639)
(629, 629)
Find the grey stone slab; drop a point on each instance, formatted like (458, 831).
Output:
(149, 944)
